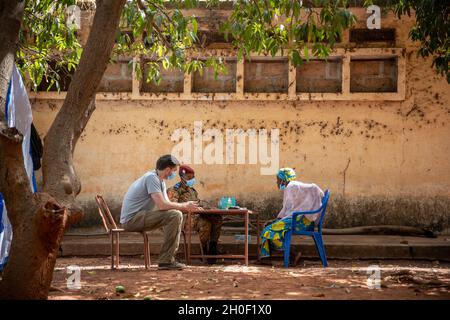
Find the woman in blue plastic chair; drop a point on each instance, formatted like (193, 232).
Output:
(297, 197)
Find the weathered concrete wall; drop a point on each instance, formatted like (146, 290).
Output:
(385, 162)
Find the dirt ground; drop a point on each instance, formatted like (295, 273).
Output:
(231, 280)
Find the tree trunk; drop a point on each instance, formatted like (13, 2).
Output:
(11, 13)
(39, 220)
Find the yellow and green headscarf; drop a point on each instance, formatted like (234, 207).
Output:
(286, 174)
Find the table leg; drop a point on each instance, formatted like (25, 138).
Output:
(258, 231)
(145, 250)
(246, 238)
(112, 251)
(189, 238)
(117, 249)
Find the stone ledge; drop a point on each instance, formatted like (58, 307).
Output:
(337, 247)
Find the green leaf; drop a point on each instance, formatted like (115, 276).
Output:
(306, 53)
(296, 59)
(194, 25)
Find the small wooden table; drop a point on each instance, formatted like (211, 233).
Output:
(245, 212)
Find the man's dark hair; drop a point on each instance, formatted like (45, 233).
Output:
(166, 161)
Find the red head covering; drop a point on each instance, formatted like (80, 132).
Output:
(185, 169)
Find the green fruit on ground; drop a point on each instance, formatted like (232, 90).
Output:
(120, 289)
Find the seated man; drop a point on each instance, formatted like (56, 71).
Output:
(207, 225)
(297, 196)
(146, 206)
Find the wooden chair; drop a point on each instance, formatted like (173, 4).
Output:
(114, 234)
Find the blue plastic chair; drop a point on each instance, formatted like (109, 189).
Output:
(317, 235)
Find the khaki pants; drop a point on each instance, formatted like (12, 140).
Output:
(169, 220)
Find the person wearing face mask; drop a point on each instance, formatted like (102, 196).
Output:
(297, 197)
(208, 226)
(146, 206)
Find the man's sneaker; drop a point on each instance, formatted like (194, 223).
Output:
(171, 266)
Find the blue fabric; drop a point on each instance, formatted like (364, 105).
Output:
(3, 265)
(7, 100)
(1, 213)
(6, 118)
(33, 177)
(34, 183)
(177, 186)
(2, 227)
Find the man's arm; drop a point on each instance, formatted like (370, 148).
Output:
(172, 194)
(163, 204)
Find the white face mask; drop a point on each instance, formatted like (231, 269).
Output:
(191, 182)
(172, 175)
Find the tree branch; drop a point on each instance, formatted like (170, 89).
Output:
(14, 182)
(59, 175)
(159, 33)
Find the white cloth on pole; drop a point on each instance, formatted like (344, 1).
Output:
(19, 115)
(5, 235)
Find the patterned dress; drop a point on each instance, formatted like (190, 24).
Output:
(272, 236)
